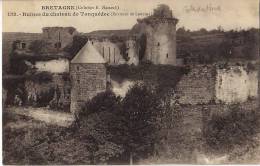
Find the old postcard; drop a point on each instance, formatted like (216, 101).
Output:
(128, 82)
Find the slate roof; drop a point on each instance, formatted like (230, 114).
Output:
(88, 54)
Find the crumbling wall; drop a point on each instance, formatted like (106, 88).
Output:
(132, 52)
(198, 86)
(58, 37)
(235, 84)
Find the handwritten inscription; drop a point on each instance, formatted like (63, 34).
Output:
(202, 9)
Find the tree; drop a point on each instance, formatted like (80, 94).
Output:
(102, 126)
(37, 46)
(203, 31)
(181, 31)
(141, 107)
(77, 43)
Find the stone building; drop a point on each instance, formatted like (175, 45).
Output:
(57, 38)
(157, 33)
(110, 51)
(88, 76)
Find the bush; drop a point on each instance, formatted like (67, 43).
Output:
(224, 132)
(105, 101)
(101, 124)
(37, 46)
(142, 106)
(41, 77)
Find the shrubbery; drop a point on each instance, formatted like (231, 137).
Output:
(101, 124)
(109, 129)
(121, 128)
(224, 132)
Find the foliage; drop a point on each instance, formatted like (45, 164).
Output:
(17, 67)
(141, 107)
(14, 86)
(166, 76)
(224, 132)
(44, 98)
(41, 77)
(24, 145)
(37, 46)
(229, 45)
(106, 101)
(101, 122)
(77, 43)
(14, 44)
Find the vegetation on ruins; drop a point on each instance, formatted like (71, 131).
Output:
(37, 46)
(166, 76)
(237, 127)
(101, 123)
(142, 108)
(125, 129)
(41, 77)
(77, 43)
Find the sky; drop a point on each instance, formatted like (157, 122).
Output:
(192, 14)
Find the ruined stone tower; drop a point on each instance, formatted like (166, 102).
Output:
(58, 38)
(158, 32)
(88, 76)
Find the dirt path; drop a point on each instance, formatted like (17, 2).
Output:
(45, 115)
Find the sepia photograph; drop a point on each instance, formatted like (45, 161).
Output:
(123, 82)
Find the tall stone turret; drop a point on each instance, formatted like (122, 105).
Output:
(88, 76)
(157, 36)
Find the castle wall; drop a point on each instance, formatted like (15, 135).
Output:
(53, 66)
(198, 86)
(87, 81)
(236, 85)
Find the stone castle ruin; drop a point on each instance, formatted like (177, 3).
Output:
(57, 38)
(152, 39)
(158, 34)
